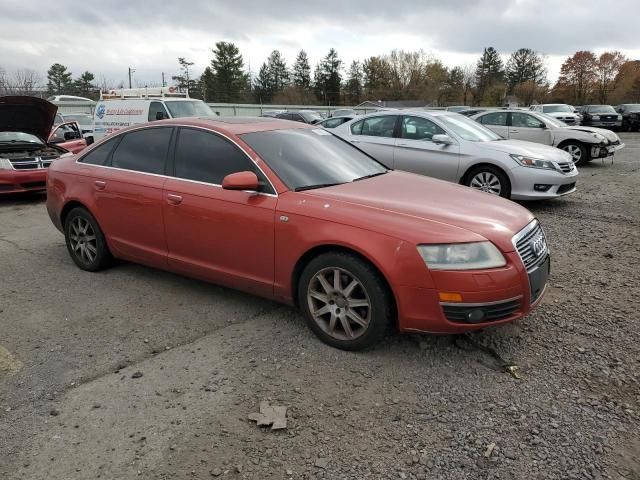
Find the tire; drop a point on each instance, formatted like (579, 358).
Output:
(357, 314)
(487, 178)
(85, 241)
(577, 151)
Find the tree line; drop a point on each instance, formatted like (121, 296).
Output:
(399, 75)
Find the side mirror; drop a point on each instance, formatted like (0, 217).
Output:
(159, 115)
(442, 139)
(241, 181)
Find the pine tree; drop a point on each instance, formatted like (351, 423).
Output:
(353, 86)
(302, 71)
(228, 82)
(59, 80)
(489, 71)
(327, 78)
(83, 85)
(525, 65)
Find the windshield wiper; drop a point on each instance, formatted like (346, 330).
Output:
(319, 185)
(370, 176)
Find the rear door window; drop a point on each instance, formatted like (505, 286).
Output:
(143, 150)
(376, 126)
(496, 118)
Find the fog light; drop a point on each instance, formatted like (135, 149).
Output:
(541, 187)
(475, 316)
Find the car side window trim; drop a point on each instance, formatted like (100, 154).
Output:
(119, 137)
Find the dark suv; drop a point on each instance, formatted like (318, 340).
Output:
(630, 116)
(304, 116)
(603, 116)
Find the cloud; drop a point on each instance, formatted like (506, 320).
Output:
(107, 37)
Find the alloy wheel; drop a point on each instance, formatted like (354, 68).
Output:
(339, 303)
(575, 151)
(486, 182)
(82, 238)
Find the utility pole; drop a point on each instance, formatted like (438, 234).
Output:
(131, 70)
(164, 84)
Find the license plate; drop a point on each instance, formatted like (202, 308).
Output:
(538, 279)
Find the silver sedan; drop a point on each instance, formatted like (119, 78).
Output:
(452, 147)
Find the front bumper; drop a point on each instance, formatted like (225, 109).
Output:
(506, 294)
(604, 123)
(541, 184)
(20, 181)
(604, 151)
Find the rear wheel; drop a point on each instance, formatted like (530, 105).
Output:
(345, 301)
(489, 179)
(85, 240)
(577, 151)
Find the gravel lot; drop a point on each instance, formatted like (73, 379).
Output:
(134, 372)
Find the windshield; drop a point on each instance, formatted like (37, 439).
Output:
(310, 116)
(601, 109)
(19, 137)
(467, 129)
(81, 119)
(311, 157)
(556, 108)
(195, 108)
(632, 107)
(554, 122)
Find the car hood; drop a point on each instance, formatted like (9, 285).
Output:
(417, 209)
(561, 114)
(608, 134)
(27, 114)
(529, 149)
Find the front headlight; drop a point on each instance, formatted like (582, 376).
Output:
(533, 162)
(619, 117)
(462, 256)
(5, 164)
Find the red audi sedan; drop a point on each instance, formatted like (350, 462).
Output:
(291, 212)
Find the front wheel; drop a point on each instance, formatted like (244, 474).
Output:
(345, 301)
(577, 151)
(85, 241)
(490, 180)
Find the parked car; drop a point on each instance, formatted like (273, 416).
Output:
(113, 114)
(25, 153)
(472, 111)
(457, 108)
(344, 112)
(68, 136)
(333, 122)
(84, 120)
(604, 116)
(298, 215)
(582, 142)
(451, 147)
(578, 111)
(630, 116)
(272, 113)
(559, 111)
(303, 116)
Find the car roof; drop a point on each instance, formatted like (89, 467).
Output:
(236, 125)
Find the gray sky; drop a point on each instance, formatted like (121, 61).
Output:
(106, 37)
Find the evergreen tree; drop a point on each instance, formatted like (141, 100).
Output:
(228, 82)
(525, 65)
(262, 90)
(83, 85)
(302, 71)
(59, 80)
(489, 71)
(184, 81)
(327, 78)
(207, 81)
(353, 86)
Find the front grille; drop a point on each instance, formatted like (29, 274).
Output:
(531, 245)
(608, 117)
(32, 163)
(566, 188)
(490, 313)
(566, 167)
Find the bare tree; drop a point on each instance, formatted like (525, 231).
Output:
(468, 77)
(20, 82)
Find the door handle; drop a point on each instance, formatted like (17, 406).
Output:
(174, 199)
(355, 141)
(401, 145)
(514, 131)
(100, 184)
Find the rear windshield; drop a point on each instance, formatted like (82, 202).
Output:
(311, 157)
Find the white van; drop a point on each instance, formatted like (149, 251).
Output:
(118, 109)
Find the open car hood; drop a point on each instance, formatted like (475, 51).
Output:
(27, 114)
